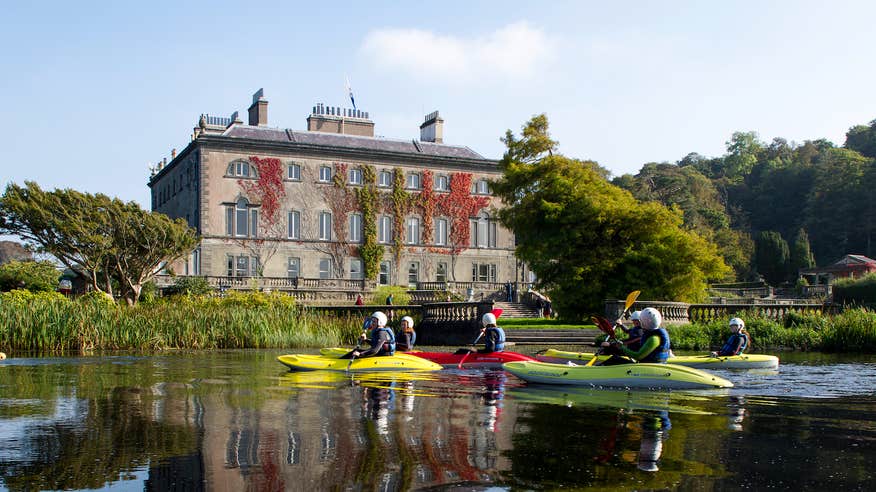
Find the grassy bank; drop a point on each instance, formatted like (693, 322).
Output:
(52, 323)
(851, 331)
(540, 324)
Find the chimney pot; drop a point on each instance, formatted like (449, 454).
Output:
(258, 111)
(432, 129)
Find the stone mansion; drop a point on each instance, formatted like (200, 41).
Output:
(334, 206)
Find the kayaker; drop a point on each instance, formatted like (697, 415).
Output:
(407, 337)
(382, 338)
(634, 334)
(738, 341)
(494, 336)
(655, 341)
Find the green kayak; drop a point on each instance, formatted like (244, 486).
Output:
(643, 375)
(306, 362)
(744, 361)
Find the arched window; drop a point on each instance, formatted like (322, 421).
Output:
(241, 169)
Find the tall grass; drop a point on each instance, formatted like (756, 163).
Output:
(854, 330)
(52, 323)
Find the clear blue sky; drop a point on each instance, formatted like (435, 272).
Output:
(94, 92)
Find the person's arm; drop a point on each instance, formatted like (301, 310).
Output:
(732, 347)
(383, 338)
(649, 346)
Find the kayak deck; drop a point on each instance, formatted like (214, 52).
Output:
(473, 360)
(625, 375)
(306, 362)
(744, 361)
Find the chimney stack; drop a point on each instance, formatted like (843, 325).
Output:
(334, 119)
(258, 111)
(432, 130)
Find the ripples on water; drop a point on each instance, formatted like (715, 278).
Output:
(238, 420)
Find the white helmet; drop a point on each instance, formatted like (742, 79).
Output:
(409, 320)
(381, 319)
(650, 319)
(635, 316)
(488, 319)
(738, 322)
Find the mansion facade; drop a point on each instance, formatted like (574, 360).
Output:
(334, 202)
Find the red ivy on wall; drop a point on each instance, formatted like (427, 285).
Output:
(460, 205)
(268, 188)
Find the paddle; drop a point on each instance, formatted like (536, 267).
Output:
(609, 329)
(365, 327)
(496, 312)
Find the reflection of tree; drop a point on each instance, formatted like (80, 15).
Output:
(115, 439)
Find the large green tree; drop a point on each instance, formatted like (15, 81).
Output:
(772, 257)
(106, 240)
(588, 240)
(862, 138)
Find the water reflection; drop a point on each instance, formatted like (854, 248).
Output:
(238, 421)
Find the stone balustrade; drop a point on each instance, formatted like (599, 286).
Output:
(683, 313)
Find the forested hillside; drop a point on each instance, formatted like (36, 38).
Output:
(773, 208)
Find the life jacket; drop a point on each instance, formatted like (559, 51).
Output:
(388, 347)
(729, 348)
(661, 353)
(499, 344)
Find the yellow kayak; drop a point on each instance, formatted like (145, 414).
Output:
(744, 361)
(306, 362)
(624, 375)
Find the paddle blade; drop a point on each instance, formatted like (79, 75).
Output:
(631, 299)
(604, 325)
(497, 312)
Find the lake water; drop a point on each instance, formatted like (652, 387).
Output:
(238, 420)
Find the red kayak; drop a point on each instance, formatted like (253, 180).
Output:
(472, 359)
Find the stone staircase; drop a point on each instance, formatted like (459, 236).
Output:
(551, 337)
(516, 310)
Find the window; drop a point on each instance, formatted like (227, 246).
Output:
(355, 228)
(241, 169)
(483, 187)
(325, 174)
(384, 229)
(241, 216)
(241, 220)
(384, 277)
(441, 272)
(355, 176)
(356, 269)
(325, 226)
(241, 266)
(413, 181)
(325, 268)
(484, 233)
(293, 172)
(413, 273)
(294, 224)
(483, 272)
(413, 231)
(293, 267)
(442, 183)
(384, 179)
(441, 232)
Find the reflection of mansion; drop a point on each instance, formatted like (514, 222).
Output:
(318, 209)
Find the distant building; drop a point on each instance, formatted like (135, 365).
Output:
(849, 266)
(286, 204)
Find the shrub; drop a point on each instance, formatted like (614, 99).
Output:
(859, 292)
(190, 286)
(36, 276)
(400, 295)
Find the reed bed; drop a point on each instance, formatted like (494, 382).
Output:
(854, 330)
(52, 323)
